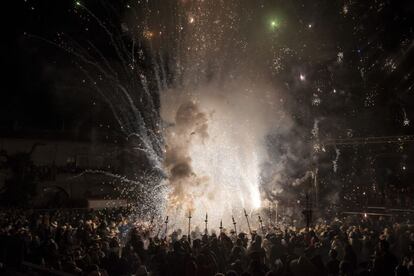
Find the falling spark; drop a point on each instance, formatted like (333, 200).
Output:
(335, 162)
(340, 57)
(148, 34)
(406, 121)
(274, 24)
(345, 9)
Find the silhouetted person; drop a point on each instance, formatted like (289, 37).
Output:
(333, 264)
(350, 257)
(384, 262)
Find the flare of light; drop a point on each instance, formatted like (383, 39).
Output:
(229, 158)
(274, 24)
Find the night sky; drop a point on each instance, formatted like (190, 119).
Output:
(41, 91)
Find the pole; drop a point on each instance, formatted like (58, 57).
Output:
(308, 212)
(234, 224)
(277, 213)
(316, 186)
(158, 232)
(166, 227)
(151, 226)
(221, 226)
(261, 224)
(270, 217)
(189, 226)
(247, 219)
(206, 221)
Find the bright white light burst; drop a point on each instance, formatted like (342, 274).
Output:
(230, 160)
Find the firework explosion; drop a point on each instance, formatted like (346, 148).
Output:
(218, 109)
(229, 103)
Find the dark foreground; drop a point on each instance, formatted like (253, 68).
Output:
(109, 242)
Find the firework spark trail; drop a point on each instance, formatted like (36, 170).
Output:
(335, 162)
(118, 93)
(125, 87)
(144, 194)
(121, 117)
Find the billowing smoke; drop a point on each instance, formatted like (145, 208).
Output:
(188, 126)
(287, 170)
(216, 137)
(300, 181)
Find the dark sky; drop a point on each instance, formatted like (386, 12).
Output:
(43, 90)
(42, 85)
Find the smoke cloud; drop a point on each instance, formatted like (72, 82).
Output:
(188, 125)
(216, 139)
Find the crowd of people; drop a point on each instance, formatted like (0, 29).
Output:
(114, 242)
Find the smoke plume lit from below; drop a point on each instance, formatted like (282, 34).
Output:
(215, 146)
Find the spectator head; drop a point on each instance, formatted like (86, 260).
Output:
(239, 242)
(383, 246)
(411, 247)
(258, 240)
(333, 254)
(177, 246)
(231, 273)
